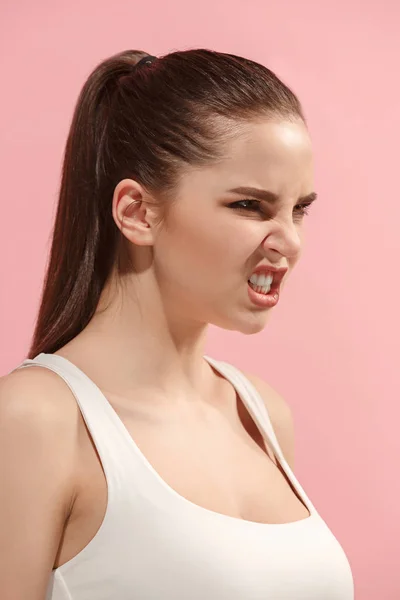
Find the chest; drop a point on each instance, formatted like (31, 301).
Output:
(218, 461)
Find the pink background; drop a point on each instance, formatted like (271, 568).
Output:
(332, 345)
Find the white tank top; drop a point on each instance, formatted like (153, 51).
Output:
(154, 544)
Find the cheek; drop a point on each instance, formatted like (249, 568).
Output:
(194, 235)
(189, 249)
(214, 243)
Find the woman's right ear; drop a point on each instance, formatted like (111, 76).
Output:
(132, 214)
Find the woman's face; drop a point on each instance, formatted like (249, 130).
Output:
(214, 238)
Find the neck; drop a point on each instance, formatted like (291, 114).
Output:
(138, 338)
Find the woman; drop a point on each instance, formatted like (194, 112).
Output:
(137, 467)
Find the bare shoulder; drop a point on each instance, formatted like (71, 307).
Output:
(38, 457)
(38, 394)
(280, 414)
(36, 405)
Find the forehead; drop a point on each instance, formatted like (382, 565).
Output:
(274, 155)
(271, 143)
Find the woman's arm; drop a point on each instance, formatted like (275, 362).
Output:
(37, 467)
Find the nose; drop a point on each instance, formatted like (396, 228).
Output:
(283, 238)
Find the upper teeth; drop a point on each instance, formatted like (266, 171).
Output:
(262, 280)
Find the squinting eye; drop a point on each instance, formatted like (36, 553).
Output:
(249, 205)
(302, 209)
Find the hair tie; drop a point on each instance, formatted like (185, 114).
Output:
(146, 60)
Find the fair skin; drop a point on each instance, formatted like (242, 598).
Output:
(193, 270)
(145, 353)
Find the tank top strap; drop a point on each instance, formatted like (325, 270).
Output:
(252, 400)
(103, 423)
(258, 411)
(102, 420)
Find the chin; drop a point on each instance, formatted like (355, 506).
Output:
(249, 324)
(252, 327)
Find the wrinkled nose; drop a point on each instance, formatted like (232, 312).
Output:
(284, 240)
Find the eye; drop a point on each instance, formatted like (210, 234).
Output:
(247, 205)
(255, 206)
(302, 209)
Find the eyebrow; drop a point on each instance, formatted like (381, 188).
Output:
(269, 196)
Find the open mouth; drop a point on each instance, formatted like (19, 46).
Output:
(261, 284)
(267, 282)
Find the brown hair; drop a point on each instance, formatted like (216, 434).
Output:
(146, 124)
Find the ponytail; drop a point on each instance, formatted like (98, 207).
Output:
(146, 123)
(83, 248)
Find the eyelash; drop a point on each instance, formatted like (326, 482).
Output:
(304, 208)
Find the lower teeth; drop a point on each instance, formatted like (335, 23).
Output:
(260, 290)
